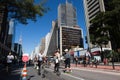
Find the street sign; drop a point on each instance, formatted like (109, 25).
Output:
(25, 57)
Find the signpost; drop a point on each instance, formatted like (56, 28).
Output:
(25, 58)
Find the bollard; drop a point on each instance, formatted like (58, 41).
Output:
(24, 73)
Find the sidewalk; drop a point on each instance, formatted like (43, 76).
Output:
(105, 67)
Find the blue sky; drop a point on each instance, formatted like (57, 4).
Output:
(34, 31)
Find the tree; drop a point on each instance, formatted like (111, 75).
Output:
(98, 31)
(113, 55)
(22, 10)
(106, 25)
(112, 21)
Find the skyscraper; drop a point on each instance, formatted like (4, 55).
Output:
(65, 33)
(67, 15)
(11, 34)
(92, 8)
(69, 34)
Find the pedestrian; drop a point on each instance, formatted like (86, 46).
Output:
(76, 60)
(40, 61)
(84, 61)
(48, 61)
(87, 56)
(95, 62)
(35, 62)
(42, 67)
(10, 58)
(56, 61)
(67, 60)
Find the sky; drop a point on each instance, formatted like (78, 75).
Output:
(33, 32)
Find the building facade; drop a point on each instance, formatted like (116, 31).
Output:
(52, 40)
(11, 35)
(67, 15)
(4, 28)
(69, 34)
(64, 33)
(18, 49)
(70, 38)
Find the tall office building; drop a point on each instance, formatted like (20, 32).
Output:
(92, 8)
(52, 39)
(70, 38)
(11, 34)
(64, 33)
(69, 34)
(4, 28)
(42, 45)
(18, 49)
(67, 15)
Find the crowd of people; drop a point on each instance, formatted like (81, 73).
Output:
(41, 61)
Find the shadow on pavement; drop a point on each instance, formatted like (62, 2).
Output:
(30, 77)
(14, 75)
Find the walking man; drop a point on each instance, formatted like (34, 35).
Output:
(40, 61)
(10, 58)
(56, 61)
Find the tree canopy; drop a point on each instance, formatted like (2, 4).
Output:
(106, 25)
(98, 32)
(22, 10)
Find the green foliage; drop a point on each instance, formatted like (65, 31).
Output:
(112, 54)
(112, 21)
(22, 10)
(98, 31)
(106, 25)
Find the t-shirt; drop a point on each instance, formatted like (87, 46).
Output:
(57, 55)
(67, 55)
(40, 57)
(10, 58)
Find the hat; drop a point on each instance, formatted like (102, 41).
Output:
(66, 50)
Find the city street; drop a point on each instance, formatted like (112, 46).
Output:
(78, 73)
(65, 39)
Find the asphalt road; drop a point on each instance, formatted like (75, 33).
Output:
(77, 74)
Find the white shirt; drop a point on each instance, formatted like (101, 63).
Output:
(10, 58)
(40, 56)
